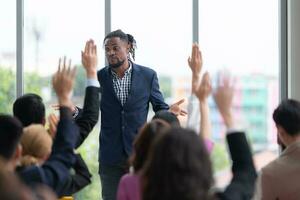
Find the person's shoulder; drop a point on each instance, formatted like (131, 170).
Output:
(103, 70)
(271, 169)
(143, 69)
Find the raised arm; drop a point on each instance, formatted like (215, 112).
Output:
(195, 64)
(243, 170)
(202, 93)
(89, 114)
(56, 169)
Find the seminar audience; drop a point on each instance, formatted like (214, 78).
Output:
(179, 166)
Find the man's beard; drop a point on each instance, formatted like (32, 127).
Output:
(117, 65)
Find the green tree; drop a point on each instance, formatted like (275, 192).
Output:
(33, 84)
(7, 89)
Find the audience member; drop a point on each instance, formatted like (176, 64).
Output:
(37, 144)
(129, 186)
(279, 179)
(86, 120)
(167, 116)
(30, 109)
(55, 171)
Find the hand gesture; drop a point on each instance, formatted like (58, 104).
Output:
(89, 59)
(204, 89)
(195, 64)
(176, 110)
(223, 97)
(63, 81)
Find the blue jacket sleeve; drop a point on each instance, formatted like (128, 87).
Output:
(156, 97)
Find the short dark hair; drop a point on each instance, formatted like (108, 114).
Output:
(287, 115)
(125, 37)
(168, 117)
(29, 109)
(144, 140)
(10, 133)
(178, 167)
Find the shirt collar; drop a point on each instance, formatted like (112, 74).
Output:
(292, 147)
(127, 71)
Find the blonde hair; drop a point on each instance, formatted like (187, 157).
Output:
(36, 143)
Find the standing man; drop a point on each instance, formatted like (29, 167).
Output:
(126, 91)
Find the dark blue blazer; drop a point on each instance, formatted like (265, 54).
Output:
(120, 124)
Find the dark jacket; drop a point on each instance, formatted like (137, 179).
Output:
(80, 178)
(120, 124)
(244, 174)
(89, 114)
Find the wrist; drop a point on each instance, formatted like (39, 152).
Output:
(91, 74)
(228, 120)
(65, 101)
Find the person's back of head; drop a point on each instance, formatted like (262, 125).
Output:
(29, 109)
(144, 140)
(287, 116)
(178, 167)
(167, 116)
(36, 143)
(10, 134)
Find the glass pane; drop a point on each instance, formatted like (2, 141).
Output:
(57, 28)
(163, 32)
(242, 36)
(7, 55)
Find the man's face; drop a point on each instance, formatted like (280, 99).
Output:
(116, 51)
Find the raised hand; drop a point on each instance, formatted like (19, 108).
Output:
(204, 89)
(63, 81)
(223, 97)
(176, 110)
(195, 64)
(89, 59)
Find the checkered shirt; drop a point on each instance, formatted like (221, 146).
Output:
(122, 85)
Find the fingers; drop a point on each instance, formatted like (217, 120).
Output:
(55, 106)
(194, 50)
(183, 113)
(179, 102)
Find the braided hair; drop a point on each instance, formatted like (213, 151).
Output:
(125, 37)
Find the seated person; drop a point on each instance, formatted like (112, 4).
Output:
(55, 171)
(30, 108)
(129, 186)
(279, 179)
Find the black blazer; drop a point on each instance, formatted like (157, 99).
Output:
(89, 114)
(242, 183)
(78, 180)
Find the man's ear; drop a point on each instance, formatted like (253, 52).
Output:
(18, 152)
(44, 121)
(281, 134)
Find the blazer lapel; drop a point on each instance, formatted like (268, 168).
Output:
(109, 82)
(134, 82)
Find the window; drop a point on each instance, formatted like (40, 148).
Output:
(55, 29)
(7, 55)
(242, 36)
